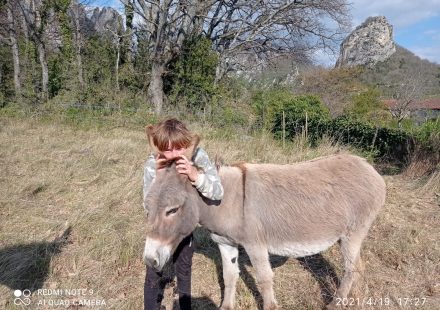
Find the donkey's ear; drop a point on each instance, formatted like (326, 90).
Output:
(219, 162)
(193, 147)
(149, 132)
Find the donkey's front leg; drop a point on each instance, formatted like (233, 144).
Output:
(260, 260)
(230, 274)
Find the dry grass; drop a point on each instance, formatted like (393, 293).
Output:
(53, 177)
(432, 185)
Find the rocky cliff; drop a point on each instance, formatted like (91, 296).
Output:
(99, 22)
(104, 19)
(368, 44)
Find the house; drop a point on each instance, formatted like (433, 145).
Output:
(420, 111)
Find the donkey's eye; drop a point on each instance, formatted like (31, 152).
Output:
(172, 211)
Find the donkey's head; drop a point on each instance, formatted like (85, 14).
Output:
(172, 214)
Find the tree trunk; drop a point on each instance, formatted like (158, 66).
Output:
(15, 53)
(118, 55)
(24, 28)
(155, 89)
(79, 65)
(127, 40)
(24, 25)
(44, 69)
(220, 70)
(39, 40)
(78, 44)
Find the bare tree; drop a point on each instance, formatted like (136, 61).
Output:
(31, 12)
(12, 29)
(129, 30)
(118, 38)
(78, 39)
(269, 29)
(38, 35)
(406, 94)
(166, 24)
(238, 28)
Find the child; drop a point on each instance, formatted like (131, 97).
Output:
(171, 138)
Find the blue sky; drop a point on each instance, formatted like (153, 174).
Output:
(416, 24)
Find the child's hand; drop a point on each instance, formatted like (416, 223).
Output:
(160, 162)
(184, 166)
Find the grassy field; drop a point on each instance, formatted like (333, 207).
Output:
(71, 222)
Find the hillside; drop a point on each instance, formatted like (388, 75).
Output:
(404, 65)
(387, 65)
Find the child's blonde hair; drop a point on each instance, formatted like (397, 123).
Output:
(169, 132)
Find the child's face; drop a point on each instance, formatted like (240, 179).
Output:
(172, 152)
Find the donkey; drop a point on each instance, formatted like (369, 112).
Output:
(289, 210)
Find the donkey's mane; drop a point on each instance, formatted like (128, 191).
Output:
(243, 169)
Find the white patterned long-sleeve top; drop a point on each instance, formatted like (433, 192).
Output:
(207, 183)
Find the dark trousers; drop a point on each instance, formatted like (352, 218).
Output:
(153, 287)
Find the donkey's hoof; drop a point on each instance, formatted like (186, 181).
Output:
(271, 307)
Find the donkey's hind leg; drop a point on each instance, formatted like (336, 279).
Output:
(350, 248)
(230, 274)
(260, 261)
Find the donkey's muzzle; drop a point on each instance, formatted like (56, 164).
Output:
(151, 262)
(156, 254)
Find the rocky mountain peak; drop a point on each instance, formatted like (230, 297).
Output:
(106, 18)
(368, 44)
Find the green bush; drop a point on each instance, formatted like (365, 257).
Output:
(191, 76)
(7, 91)
(428, 135)
(266, 102)
(228, 116)
(386, 143)
(361, 127)
(381, 142)
(298, 113)
(269, 105)
(55, 75)
(368, 106)
(12, 110)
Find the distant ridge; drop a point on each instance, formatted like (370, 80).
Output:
(402, 66)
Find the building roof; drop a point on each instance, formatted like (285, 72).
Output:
(426, 104)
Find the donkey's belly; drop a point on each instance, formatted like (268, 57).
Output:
(296, 249)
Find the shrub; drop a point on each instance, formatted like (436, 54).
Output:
(191, 76)
(298, 113)
(230, 117)
(368, 106)
(429, 135)
(270, 104)
(382, 142)
(386, 143)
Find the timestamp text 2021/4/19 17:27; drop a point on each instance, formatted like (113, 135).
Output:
(382, 301)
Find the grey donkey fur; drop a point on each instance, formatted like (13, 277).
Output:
(291, 210)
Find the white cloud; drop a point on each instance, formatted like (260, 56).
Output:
(400, 13)
(431, 53)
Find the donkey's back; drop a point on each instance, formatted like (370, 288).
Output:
(301, 209)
